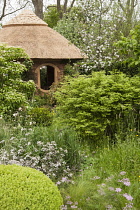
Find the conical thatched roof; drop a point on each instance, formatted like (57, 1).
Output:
(39, 41)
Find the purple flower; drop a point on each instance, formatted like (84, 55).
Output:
(64, 179)
(68, 197)
(101, 191)
(128, 197)
(69, 202)
(122, 173)
(125, 181)
(128, 206)
(64, 207)
(73, 207)
(111, 188)
(118, 189)
(57, 183)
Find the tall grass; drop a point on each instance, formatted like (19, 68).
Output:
(112, 181)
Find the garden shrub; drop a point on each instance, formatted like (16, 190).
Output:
(129, 49)
(41, 100)
(14, 92)
(26, 188)
(45, 157)
(94, 105)
(53, 150)
(41, 116)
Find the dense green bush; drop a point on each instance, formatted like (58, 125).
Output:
(41, 116)
(14, 92)
(95, 104)
(129, 49)
(26, 188)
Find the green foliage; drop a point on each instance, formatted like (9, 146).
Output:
(51, 16)
(94, 105)
(26, 188)
(54, 150)
(41, 116)
(40, 100)
(70, 24)
(14, 92)
(113, 174)
(129, 48)
(71, 70)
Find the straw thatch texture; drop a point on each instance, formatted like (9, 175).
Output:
(39, 41)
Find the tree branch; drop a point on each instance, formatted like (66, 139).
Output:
(65, 6)
(9, 13)
(59, 9)
(121, 5)
(72, 3)
(3, 10)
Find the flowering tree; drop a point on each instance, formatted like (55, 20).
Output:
(94, 26)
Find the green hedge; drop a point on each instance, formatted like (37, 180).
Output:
(26, 188)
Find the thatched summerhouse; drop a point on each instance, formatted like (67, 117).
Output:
(49, 50)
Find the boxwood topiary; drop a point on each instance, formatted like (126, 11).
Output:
(26, 188)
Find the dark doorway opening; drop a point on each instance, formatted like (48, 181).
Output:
(46, 77)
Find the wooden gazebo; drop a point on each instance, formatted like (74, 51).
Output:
(49, 50)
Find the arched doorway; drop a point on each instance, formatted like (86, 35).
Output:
(47, 75)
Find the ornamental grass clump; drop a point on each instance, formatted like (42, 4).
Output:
(91, 192)
(26, 188)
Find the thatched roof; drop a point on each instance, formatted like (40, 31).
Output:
(39, 41)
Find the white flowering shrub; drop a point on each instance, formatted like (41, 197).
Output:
(92, 30)
(94, 26)
(47, 158)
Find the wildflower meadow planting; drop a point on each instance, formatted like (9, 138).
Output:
(78, 146)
